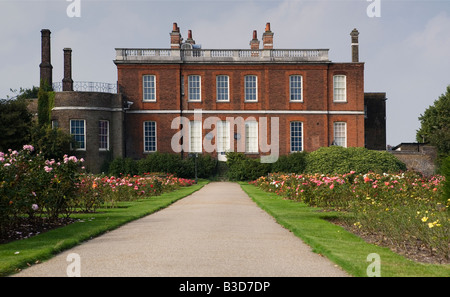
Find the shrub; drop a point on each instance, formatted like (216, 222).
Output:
(340, 160)
(243, 168)
(123, 166)
(292, 163)
(445, 169)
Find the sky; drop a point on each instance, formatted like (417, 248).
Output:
(405, 44)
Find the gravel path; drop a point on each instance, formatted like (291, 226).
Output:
(216, 232)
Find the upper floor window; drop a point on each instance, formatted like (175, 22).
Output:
(103, 133)
(149, 87)
(150, 136)
(251, 88)
(296, 136)
(340, 88)
(222, 87)
(78, 130)
(295, 88)
(194, 88)
(340, 133)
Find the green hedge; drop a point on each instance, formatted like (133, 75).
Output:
(445, 170)
(326, 160)
(340, 160)
(167, 163)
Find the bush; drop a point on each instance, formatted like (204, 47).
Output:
(292, 163)
(243, 168)
(445, 169)
(340, 160)
(123, 166)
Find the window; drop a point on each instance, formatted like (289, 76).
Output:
(222, 88)
(340, 133)
(296, 136)
(223, 136)
(295, 88)
(78, 130)
(251, 88)
(340, 88)
(55, 124)
(194, 88)
(251, 137)
(195, 137)
(103, 133)
(149, 86)
(149, 136)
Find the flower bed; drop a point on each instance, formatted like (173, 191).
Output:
(36, 192)
(407, 210)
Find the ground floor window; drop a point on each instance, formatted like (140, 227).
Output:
(103, 133)
(251, 137)
(340, 133)
(195, 136)
(296, 136)
(150, 136)
(78, 130)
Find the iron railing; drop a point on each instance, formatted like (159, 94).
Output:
(88, 86)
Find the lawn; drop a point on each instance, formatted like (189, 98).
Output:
(342, 247)
(19, 254)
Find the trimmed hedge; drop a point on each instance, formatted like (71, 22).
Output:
(340, 160)
(165, 162)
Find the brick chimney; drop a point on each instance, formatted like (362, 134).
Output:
(254, 43)
(268, 38)
(67, 80)
(355, 45)
(46, 68)
(175, 37)
(189, 39)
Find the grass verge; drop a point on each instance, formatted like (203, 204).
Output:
(343, 248)
(19, 254)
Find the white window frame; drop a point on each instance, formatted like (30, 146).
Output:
(149, 88)
(340, 88)
(195, 88)
(101, 134)
(251, 137)
(340, 133)
(294, 148)
(195, 136)
(83, 147)
(146, 148)
(251, 88)
(223, 137)
(222, 85)
(296, 85)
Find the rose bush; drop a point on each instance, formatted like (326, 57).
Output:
(407, 208)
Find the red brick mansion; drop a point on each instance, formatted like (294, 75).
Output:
(261, 101)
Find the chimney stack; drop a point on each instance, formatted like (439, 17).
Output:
(67, 80)
(355, 45)
(175, 37)
(189, 39)
(254, 43)
(268, 38)
(46, 74)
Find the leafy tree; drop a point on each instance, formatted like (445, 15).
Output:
(51, 142)
(435, 125)
(15, 124)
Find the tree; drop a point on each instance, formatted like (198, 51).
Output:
(435, 125)
(15, 124)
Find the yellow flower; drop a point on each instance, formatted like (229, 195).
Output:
(424, 219)
(430, 225)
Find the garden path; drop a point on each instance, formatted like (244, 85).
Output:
(218, 231)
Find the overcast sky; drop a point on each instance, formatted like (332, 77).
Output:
(405, 44)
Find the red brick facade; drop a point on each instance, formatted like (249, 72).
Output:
(317, 110)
